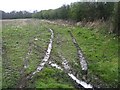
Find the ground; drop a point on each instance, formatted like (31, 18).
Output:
(25, 42)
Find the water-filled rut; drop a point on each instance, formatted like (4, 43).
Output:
(83, 61)
(47, 55)
(66, 67)
(24, 80)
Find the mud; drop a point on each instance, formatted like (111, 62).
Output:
(69, 73)
(83, 61)
(25, 78)
(67, 69)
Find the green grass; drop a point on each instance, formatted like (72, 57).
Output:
(15, 43)
(101, 51)
(52, 78)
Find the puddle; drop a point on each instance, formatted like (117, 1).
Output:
(82, 83)
(74, 78)
(40, 66)
(79, 82)
(36, 39)
(26, 59)
(47, 55)
(82, 59)
(55, 65)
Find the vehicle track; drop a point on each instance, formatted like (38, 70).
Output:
(66, 68)
(23, 81)
(83, 61)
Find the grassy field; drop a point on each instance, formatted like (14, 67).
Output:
(24, 35)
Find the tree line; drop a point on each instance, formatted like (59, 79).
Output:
(79, 11)
(85, 11)
(16, 15)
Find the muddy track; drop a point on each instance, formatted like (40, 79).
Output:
(32, 46)
(23, 82)
(47, 55)
(83, 61)
(26, 59)
(67, 69)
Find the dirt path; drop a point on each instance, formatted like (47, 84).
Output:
(25, 78)
(83, 61)
(47, 55)
(67, 69)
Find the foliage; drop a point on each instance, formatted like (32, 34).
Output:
(85, 11)
(79, 11)
(16, 15)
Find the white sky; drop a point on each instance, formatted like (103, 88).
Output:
(31, 5)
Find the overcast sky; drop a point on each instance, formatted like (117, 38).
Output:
(31, 5)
